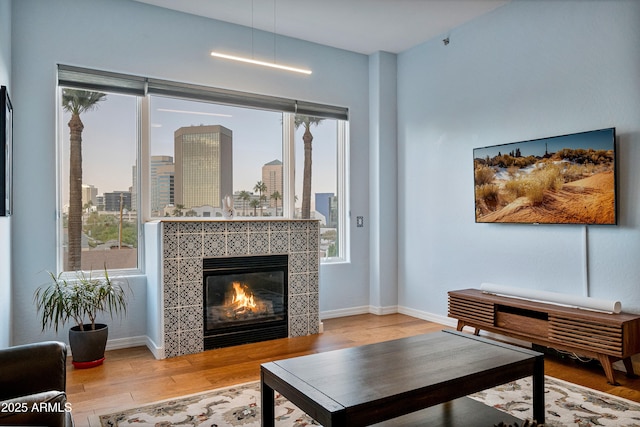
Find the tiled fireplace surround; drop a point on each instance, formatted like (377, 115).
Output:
(186, 243)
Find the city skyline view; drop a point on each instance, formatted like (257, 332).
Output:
(109, 152)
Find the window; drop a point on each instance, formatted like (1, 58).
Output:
(210, 151)
(99, 146)
(199, 145)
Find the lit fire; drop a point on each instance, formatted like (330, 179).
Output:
(242, 297)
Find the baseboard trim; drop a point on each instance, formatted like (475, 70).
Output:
(344, 312)
(381, 311)
(118, 343)
(436, 318)
(158, 351)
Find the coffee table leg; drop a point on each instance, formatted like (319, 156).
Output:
(538, 391)
(268, 403)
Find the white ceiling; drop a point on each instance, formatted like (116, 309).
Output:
(364, 26)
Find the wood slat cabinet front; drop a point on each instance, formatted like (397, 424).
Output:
(607, 337)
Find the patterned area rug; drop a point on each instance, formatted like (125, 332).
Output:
(566, 405)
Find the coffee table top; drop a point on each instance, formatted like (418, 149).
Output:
(422, 370)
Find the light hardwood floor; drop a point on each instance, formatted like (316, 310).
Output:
(132, 377)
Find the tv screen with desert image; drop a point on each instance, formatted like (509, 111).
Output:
(568, 179)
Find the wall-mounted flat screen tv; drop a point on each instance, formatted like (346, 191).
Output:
(568, 179)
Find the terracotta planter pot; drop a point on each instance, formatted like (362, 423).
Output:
(87, 347)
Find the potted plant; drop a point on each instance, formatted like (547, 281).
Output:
(80, 300)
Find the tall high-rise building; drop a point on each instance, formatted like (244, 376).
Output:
(272, 178)
(162, 172)
(203, 165)
(325, 204)
(89, 195)
(115, 200)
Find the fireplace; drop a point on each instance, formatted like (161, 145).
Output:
(245, 299)
(186, 244)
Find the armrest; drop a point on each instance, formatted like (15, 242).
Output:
(33, 368)
(40, 409)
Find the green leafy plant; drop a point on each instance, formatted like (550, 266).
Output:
(80, 300)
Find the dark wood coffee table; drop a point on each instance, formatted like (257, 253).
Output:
(369, 384)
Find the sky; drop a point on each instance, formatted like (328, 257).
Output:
(602, 139)
(110, 133)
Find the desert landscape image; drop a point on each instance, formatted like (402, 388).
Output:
(560, 180)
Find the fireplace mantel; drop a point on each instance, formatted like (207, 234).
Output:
(185, 243)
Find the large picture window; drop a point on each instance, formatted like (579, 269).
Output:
(98, 185)
(264, 156)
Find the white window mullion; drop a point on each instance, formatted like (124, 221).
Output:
(343, 189)
(289, 162)
(144, 198)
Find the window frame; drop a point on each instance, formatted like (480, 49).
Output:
(143, 87)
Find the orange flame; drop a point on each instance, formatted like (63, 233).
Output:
(242, 298)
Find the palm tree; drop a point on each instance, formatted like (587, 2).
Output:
(307, 138)
(260, 187)
(276, 196)
(254, 203)
(77, 102)
(245, 196)
(178, 210)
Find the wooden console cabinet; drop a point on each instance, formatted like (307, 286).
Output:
(607, 337)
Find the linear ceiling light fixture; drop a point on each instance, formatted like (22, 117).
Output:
(255, 61)
(263, 63)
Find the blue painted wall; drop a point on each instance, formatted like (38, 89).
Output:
(132, 37)
(5, 222)
(524, 71)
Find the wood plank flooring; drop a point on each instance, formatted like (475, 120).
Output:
(132, 377)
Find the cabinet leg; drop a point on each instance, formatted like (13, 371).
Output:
(607, 365)
(628, 365)
(461, 326)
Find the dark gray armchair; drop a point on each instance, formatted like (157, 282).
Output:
(33, 379)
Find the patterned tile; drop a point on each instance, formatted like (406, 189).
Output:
(214, 227)
(299, 304)
(258, 243)
(171, 320)
(279, 242)
(170, 246)
(314, 260)
(191, 317)
(299, 226)
(237, 243)
(298, 283)
(256, 226)
(313, 282)
(172, 344)
(190, 245)
(237, 227)
(184, 246)
(298, 241)
(171, 295)
(313, 239)
(170, 271)
(314, 325)
(191, 341)
(169, 228)
(214, 245)
(279, 226)
(298, 262)
(189, 227)
(191, 293)
(314, 305)
(298, 326)
(190, 269)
